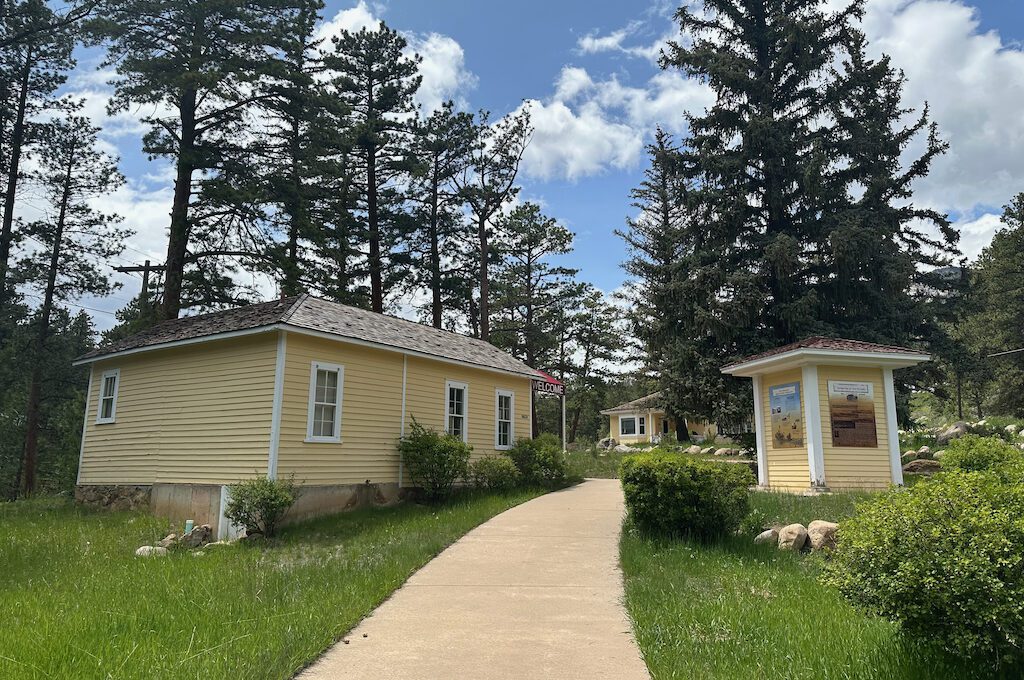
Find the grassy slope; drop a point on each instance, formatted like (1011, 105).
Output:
(75, 602)
(735, 610)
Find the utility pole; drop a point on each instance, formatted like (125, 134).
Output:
(146, 268)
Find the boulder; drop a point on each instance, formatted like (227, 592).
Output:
(622, 448)
(1011, 429)
(151, 551)
(607, 443)
(822, 534)
(923, 467)
(792, 537)
(198, 537)
(908, 456)
(768, 536)
(168, 541)
(939, 454)
(707, 450)
(924, 452)
(955, 431)
(722, 452)
(693, 450)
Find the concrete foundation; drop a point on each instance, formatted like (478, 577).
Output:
(204, 503)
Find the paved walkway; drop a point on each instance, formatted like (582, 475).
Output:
(535, 592)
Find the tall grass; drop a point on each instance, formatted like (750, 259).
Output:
(735, 610)
(76, 603)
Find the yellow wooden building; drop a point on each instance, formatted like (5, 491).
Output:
(825, 413)
(644, 420)
(297, 387)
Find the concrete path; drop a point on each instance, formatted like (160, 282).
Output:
(535, 592)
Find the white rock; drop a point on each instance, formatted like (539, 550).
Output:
(707, 450)
(622, 448)
(151, 551)
(769, 536)
(792, 537)
(822, 535)
(693, 450)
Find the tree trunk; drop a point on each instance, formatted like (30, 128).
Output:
(435, 253)
(17, 141)
(178, 234)
(485, 288)
(32, 412)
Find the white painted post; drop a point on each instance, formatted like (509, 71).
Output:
(892, 427)
(564, 449)
(275, 414)
(762, 453)
(812, 421)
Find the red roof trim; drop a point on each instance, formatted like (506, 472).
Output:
(548, 378)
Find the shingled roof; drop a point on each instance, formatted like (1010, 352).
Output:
(822, 343)
(642, 404)
(310, 313)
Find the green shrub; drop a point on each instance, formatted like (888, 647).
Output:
(684, 495)
(974, 453)
(434, 461)
(259, 504)
(494, 473)
(540, 461)
(945, 559)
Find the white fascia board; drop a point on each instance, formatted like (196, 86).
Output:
(177, 343)
(802, 357)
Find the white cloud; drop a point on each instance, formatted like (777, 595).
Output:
(443, 70)
(976, 234)
(351, 19)
(572, 144)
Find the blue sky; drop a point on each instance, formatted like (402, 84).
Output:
(589, 72)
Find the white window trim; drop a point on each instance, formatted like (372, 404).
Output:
(639, 419)
(448, 384)
(324, 366)
(100, 420)
(498, 393)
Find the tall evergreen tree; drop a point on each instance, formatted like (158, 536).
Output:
(442, 144)
(486, 185)
(377, 81)
(75, 239)
(596, 344)
(195, 64)
(32, 68)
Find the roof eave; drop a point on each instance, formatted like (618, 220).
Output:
(805, 356)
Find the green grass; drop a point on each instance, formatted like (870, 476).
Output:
(75, 602)
(736, 610)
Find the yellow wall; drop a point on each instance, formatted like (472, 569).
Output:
(848, 467)
(371, 419)
(198, 414)
(631, 439)
(787, 468)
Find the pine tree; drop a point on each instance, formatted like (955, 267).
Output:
(442, 144)
(32, 68)
(377, 81)
(596, 343)
(486, 185)
(195, 64)
(74, 239)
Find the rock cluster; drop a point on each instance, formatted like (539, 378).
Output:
(607, 443)
(197, 538)
(113, 496)
(818, 535)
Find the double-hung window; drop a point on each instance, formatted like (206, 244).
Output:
(455, 409)
(504, 407)
(109, 382)
(326, 382)
(630, 426)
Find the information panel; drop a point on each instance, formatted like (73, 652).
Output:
(851, 407)
(787, 418)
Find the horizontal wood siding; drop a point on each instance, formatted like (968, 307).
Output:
(425, 400)
(371, 412)
(198, 414)
(787, 468)
(850, 467)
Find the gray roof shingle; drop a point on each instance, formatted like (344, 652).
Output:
(650, 401)
(310, 313)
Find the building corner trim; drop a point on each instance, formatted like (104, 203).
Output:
(275, 414)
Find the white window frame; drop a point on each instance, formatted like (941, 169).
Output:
(640, 426)
(335, 438)
(100, 420)
(498, 394)
(448, 385)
